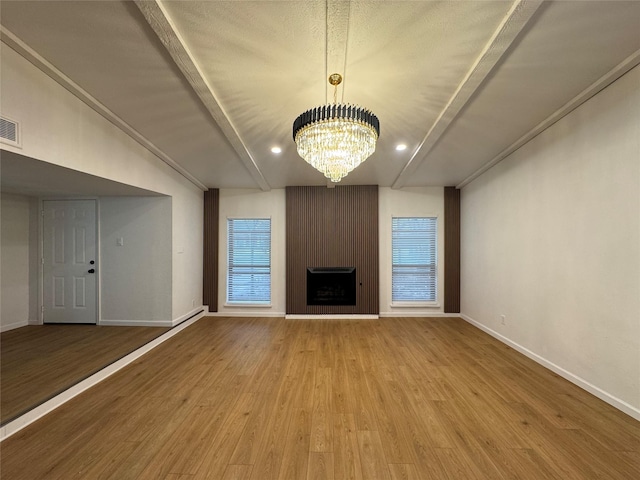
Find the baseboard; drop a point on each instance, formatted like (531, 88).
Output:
(331, 316)
(201, 309)
(575, 379)
(154, 323)
(418, 314)
(247, 314)
(136, 323)
(13, 326)
(41, 410)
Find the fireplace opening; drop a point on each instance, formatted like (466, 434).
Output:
(331, 285)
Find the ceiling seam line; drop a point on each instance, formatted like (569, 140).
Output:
(346, 49)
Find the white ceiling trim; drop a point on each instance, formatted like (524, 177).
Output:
(511, 26)
(8, 38)
(603, 82)
(161, 23)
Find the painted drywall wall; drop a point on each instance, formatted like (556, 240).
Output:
(187, 249)
(551, 240)
(409, 202)
(14, 261)
(135, 260)
(239, 203)
(427, 201)
(58, 128)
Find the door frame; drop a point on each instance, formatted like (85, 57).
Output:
(40, 260)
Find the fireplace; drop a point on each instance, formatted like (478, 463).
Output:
(331, 285)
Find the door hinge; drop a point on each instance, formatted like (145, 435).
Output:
(42, 260)
(42, 212)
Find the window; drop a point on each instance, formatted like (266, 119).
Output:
(413, 252)
(249, 260)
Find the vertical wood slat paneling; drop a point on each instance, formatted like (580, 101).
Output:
(210, 254)
(335, 227)
(451, 250)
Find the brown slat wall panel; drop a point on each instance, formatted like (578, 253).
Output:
(332, 227)
(451, 250)
(210, 268)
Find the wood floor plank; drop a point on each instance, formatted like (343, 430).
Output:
(403, 471)
(320, 466)
(374, 462)
(238, 472)
(346, 453)
(295, 458)
(269, 398)
(221, 448)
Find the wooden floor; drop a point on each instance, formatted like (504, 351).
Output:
(39, 361)
(394, 398)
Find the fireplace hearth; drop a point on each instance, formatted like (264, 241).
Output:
(331, 286)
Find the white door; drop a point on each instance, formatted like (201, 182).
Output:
(69, 261)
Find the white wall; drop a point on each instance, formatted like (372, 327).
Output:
(551, 240)
(135, 276)
(238, 203)
(409, 202)
(58, 128)
(14, 261)
(257, 204)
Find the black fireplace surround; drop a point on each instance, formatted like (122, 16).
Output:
(331, 285)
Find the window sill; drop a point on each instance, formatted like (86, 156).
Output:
(248, 305)
(415, 305)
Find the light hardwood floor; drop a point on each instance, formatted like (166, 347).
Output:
(39, 361)
(395, 398)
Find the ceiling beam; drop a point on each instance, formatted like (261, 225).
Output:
(603, 82)
(159, 20)
(505, 35)
(49, 69)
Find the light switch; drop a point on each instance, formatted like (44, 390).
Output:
(120, 241)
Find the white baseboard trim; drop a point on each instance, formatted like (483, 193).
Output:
(247, 314)
(195, 311)
(41, 410)
(330, 316)
(13, 326)
(136, 323)
(579, 381)
(153, 323)
(418, 314)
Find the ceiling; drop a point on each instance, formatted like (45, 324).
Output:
(212, 86)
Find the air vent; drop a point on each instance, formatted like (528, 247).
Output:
(9, 132)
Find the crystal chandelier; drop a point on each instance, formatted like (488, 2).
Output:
(335, 139)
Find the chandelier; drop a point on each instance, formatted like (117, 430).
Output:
(335, 139)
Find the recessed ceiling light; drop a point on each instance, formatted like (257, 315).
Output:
(401, 146)
(276, 150)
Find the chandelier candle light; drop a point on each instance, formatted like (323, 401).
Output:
(335, 139)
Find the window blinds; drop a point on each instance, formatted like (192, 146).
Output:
(249, 260)
(414, 273)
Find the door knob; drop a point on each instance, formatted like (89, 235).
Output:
(92, 270)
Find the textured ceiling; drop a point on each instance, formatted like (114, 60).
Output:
(215, 84)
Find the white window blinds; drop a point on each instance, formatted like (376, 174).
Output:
(249, 260)
(414, 272)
